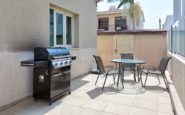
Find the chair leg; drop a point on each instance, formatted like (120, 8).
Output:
(141, 79)
(165, 81)
(118, 79)
(114, 78)
(138, 73)
(97, 78)
(158, 79)
(104, 82)
(145, 80)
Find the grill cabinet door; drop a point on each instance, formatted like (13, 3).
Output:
(60, 83)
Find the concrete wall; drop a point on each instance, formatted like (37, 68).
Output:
(176, 68)
(147, 46)
(25, 25)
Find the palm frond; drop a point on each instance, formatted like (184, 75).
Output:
(123, 2)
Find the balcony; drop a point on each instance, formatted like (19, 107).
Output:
(88, 98)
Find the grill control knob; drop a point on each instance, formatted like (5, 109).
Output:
(61, 63)
(56, 64)
(66, 63)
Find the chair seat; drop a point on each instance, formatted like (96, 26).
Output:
(112, 72)
(151, 72)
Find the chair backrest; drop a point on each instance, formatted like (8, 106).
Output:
(127, 56)
(99, 64)
(163, 64)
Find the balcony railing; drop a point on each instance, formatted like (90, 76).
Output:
(176, 39)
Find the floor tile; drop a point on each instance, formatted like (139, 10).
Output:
(75, 100)
(85, 111)
(163, 113)
(97, 105)
(63, 109)
(163, 99)
(118, 109)
(145, 104)
(165, 107)
(139, 111)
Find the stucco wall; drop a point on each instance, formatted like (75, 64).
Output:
(147, 46)
(25, 25)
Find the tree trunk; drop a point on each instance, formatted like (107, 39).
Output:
(133, 18)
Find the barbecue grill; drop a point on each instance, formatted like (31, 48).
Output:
(51, 72)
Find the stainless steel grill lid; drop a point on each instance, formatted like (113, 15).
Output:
(43, 54)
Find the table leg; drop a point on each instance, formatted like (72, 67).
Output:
(122, 77)
(138, 72)
(119, 73)
(141, 76)
(134, 73)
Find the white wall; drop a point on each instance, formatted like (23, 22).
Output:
(176, 68)
(25, 25)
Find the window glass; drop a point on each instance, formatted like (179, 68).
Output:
(120, 23)
(68, 31)
(103, 23)
(51, 27)
(59, 29)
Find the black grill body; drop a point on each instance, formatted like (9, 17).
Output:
(51, 72)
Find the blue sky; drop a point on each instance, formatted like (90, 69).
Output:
(153, 10)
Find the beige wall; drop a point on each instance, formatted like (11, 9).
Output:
(176, 68)
(150, 47)
(25, 25)
(147, 46)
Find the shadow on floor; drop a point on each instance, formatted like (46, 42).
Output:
(77, 83)
(155, 89)
(130, 88)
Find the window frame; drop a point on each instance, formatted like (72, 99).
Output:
(65, 14)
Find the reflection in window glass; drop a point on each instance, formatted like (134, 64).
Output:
(68, 31)
(59, 29)
(51, 28)
(103, 23)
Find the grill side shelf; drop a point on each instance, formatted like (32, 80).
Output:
(27, 63)
(32, 63)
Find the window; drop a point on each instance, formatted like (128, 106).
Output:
(59, 29)
(120, 23)
(68, 30)
(61, 26)
(51, 27)
(103, 24)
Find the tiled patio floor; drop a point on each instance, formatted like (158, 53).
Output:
(88, 99)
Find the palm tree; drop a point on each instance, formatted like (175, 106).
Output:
(133, 10)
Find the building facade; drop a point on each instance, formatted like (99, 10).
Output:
(112, 19)
(26, 24)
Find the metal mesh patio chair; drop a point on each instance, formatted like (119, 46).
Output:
(129, 67)
(127, 56)
(103, 71)
(160, 70)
